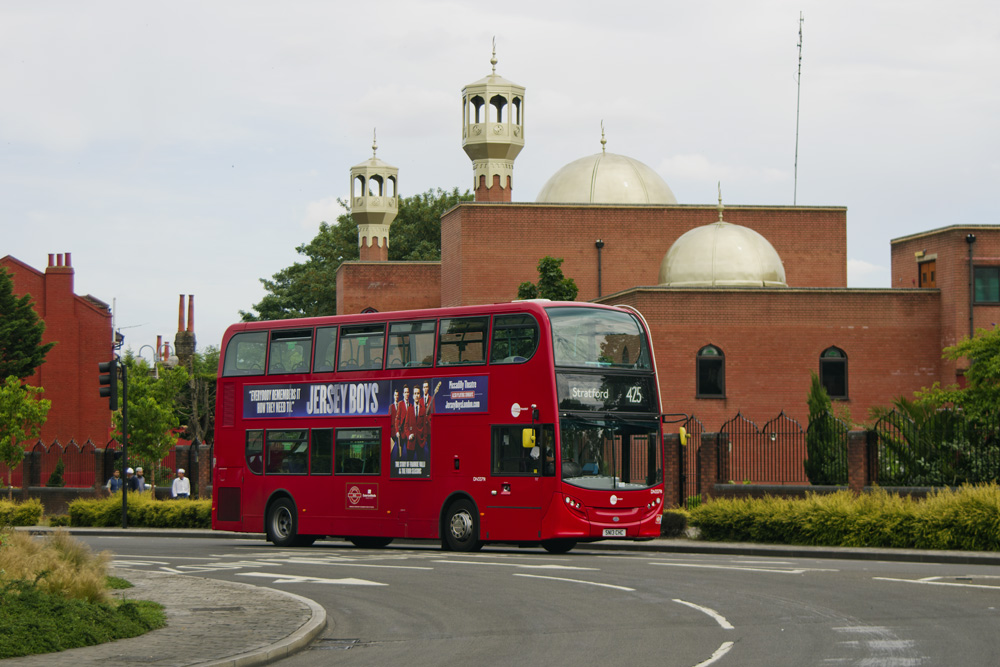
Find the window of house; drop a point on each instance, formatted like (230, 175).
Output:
(711, 373)
(833, 372)
(987, 284)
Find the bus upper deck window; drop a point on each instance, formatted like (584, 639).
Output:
(245, 354)
(462, 341)
(515, 339)
(326, 350)
(361, 347)
(411, 344)
(291, 352)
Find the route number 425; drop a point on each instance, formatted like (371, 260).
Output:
(634, 395)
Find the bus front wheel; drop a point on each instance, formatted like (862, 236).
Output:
(370, 542)
(461, 527)
(558, 546)
(282, 526)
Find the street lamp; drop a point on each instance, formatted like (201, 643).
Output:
(169, 361)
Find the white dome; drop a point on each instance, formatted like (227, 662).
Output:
(722, 255)
(606, 178)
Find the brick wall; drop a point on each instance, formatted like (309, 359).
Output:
(487, 250)
(81, 329)
(387, 286)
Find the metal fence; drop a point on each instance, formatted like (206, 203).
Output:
(933, 448)
(826, 451)
(774, 454)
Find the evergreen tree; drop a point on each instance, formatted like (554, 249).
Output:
(22, 414)
(551, 283)
(21, 348)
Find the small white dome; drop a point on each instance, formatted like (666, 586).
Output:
(722, 255)
(606, 178)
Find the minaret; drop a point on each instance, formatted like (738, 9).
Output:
(493, 132)
(374, 203)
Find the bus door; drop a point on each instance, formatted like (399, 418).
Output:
(522, 469)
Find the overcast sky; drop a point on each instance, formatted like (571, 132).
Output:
(189, 147)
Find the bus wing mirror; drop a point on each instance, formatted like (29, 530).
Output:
(683, 433)
(528, 438)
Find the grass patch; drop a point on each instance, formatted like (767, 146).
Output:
(54, 596)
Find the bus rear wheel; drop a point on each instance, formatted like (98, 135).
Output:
(558, 546)
(370, 542)
(461, 527)
(282, 527)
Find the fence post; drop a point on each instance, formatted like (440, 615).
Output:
(709, 460)
(204, 470)
(857, 461)
(672, 470)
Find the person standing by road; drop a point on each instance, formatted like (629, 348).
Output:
(181, 488)
(138, 482)
(114, 484)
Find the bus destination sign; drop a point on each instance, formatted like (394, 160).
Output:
(606, 393)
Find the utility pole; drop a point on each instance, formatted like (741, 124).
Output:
(798, 96)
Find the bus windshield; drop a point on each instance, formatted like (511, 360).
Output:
(610, 453)
(597, 338)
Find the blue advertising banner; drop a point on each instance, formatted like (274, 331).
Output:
(339, 399)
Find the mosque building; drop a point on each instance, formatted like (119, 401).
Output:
(743, 301)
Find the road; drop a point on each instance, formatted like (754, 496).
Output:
(417, 605)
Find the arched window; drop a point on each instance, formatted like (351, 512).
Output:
(711, 373)
(833, 372)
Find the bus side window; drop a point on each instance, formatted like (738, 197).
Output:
(287, 452)
(245, 354)
(326, 349)
(411, 344)
(515, 339)
(255, 451)
(358, 451)
(510, 457)
(361, 347)
(462, 341)
(291, 352)
(321, 452)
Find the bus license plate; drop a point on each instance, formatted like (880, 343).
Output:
(614, 532)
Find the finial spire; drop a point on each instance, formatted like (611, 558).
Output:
(603, 140)
(493, 60)
(720, 202)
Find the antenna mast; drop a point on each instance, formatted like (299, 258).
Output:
(798, 95)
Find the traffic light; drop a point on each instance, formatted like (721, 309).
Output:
(109, 382)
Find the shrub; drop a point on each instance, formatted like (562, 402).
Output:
(967, 519)
(28, 513)
(58, 565)
(674, 523)
(142, 511)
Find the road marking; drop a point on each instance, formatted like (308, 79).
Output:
(719, 652)
(719, 618)
(937, 583)
(574, 581)
(801, 570)
(519, 565)
(293, 579)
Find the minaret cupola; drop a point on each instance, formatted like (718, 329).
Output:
(493, 132)
(374, 204)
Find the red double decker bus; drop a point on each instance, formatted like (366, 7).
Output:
(532, 422)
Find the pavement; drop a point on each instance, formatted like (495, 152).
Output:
(211, 622)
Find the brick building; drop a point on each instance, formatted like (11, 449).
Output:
(80, 326)
(722, 345)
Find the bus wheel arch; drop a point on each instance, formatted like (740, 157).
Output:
(281, 523)
(460, 524)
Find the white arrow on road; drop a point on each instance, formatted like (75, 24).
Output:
(293, 579)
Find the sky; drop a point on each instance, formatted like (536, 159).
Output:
(190, 147)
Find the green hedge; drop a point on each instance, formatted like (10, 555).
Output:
(142, 511)
(965, 519)
(28, 513)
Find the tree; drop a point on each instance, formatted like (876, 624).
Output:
(152, 418)
(826, 451)
(22, 414)
(21, 348)
(551, 283)
(308, 289)
(195, 405)
(981, 395)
